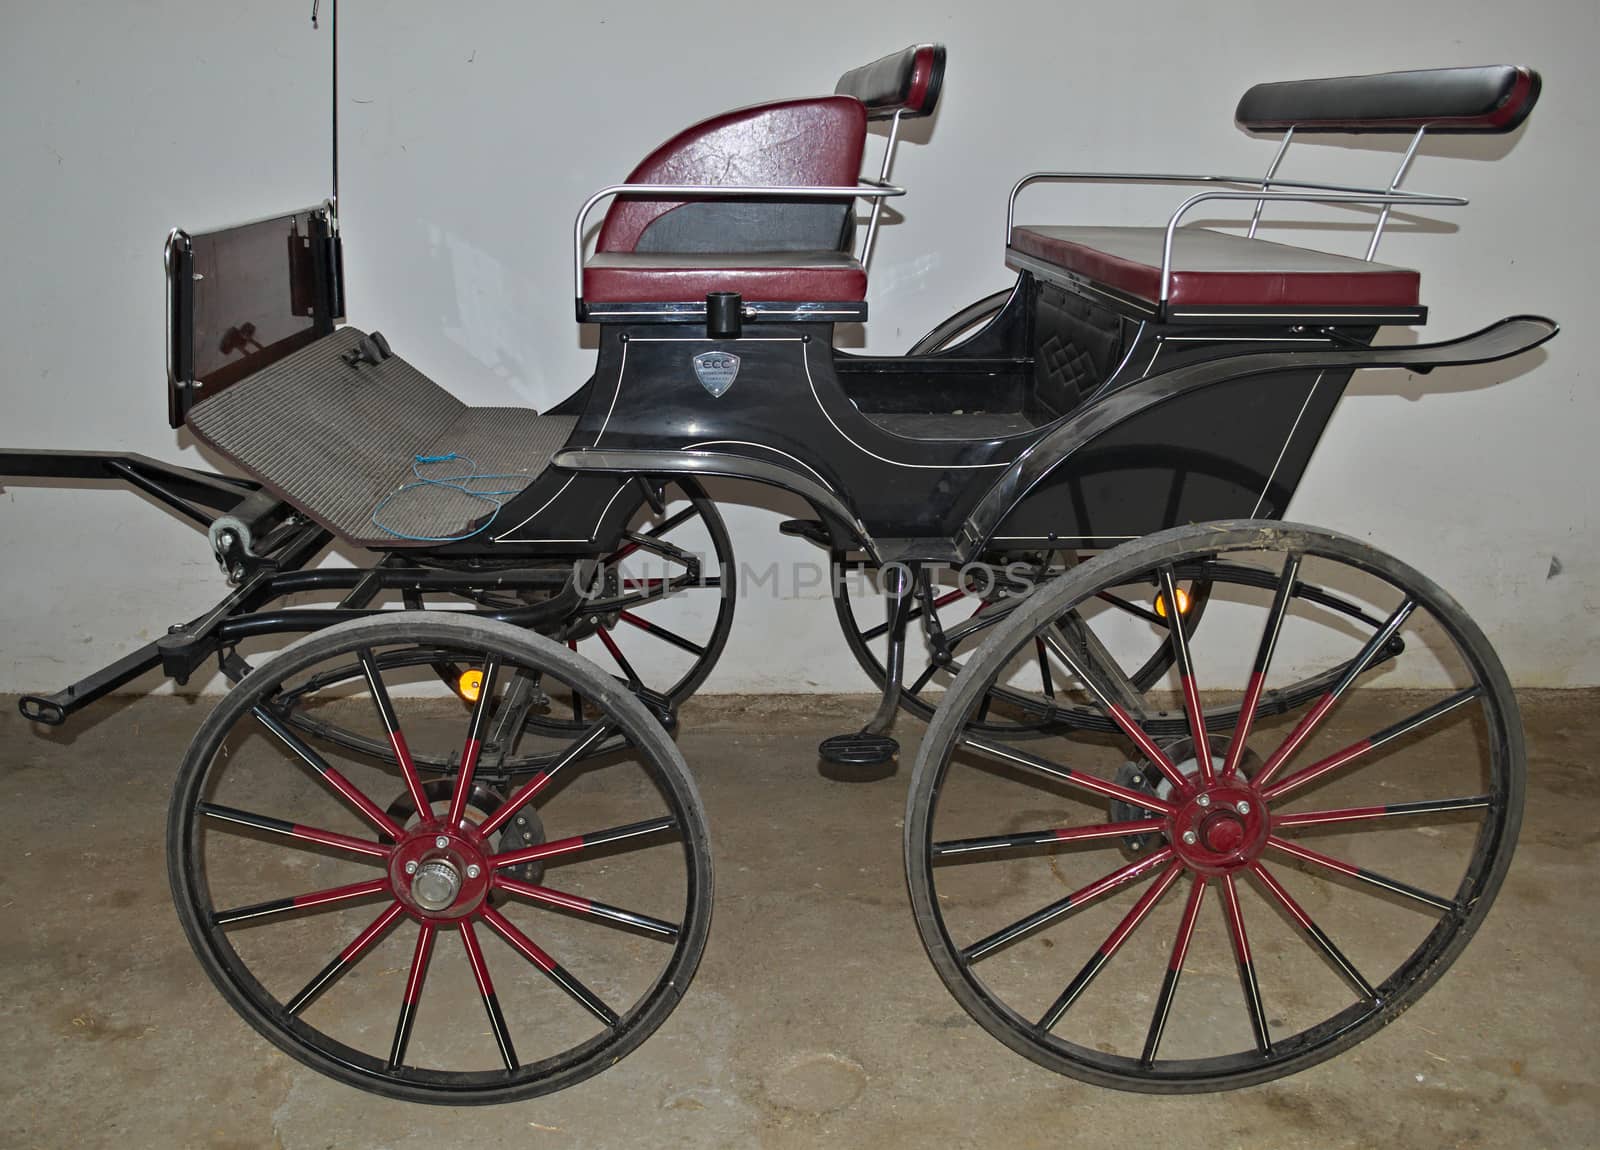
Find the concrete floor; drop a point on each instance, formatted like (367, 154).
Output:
(815, 1018)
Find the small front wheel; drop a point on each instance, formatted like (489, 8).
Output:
(477, 935)
(1267, 863)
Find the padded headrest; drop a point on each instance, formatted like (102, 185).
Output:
(907, 82)
(1488, 99)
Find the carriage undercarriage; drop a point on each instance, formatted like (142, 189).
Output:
(1069, 499)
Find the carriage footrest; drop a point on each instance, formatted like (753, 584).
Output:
(858, 749)
(811, 530)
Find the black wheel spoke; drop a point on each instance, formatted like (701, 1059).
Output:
(474, 744)
(1186, 676)
(589, 841)
(345, 959)
(391, 724)
(1109, 947)
(295, 832)
(1258, 671)
(1065, 774)
(1134, 609)
(963, 850)
(1169, 982)
(1246, 964)
(530, 789)
(557, 973)
(619, 658)
(1319, 711)
(413, 992)
(1314, 934)
(589, 908)
(1044, 670)
(1369, 814)
(1356, 750)
(1362, 874)
(347, 790)
(662, 633)
(323, 899)
(1075, 901)
(491, 1003)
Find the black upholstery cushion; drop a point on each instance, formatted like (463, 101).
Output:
(1487, 99)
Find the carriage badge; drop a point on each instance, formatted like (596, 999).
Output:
(716, 371)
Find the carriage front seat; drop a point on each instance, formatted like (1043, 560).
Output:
(770, 251)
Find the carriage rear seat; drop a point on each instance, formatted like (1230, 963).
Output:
(760, 277)
(1212, 270)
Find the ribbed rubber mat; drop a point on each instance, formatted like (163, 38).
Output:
(333, 439)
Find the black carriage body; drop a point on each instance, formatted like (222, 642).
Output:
(901, 449)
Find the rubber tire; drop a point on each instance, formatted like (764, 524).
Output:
(1123, 561)
(627, 711)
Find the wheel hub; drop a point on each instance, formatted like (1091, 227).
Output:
(439, 873)
(1219, 828)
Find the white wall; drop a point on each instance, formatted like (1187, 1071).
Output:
(472, 132)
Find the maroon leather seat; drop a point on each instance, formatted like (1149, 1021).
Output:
(1215, 269)
(776, 251)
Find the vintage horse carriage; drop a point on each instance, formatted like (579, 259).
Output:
(1089, 469)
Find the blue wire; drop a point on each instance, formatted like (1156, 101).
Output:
(454, 483)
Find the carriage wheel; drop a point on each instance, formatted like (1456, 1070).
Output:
(662, 626)
(421, 956)
(1022, 703)
(1348, 848)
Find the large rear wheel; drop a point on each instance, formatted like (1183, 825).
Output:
(1348, 844)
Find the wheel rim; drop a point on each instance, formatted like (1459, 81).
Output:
(1223, 835)
(967, 614)
(568, 981)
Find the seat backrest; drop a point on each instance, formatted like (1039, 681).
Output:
(906, 83)
(1488, 99)
(811, 142)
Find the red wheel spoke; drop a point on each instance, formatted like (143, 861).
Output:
(408, 1004)
(1127, 926)
(331, 897)
(661, 633)
(1079, 779)
(397, 739)
(979, 848)
(345, 959)
(474, 745)
(582, 842)
(1186, 677)
(491, 1004)
(352, 794)
(1313, 718)
(1314, 934)
(1258, 673)
(1368, 814)
(1247, 966)
(295, 831)
(557, 973)
(621, 660)
(1356, 750)
(1097, 687)
(541, 779)
(1361, 874)
(1169, 984)
(587, 907)
(1077, 899)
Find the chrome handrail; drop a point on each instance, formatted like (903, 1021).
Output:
(864, 188)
